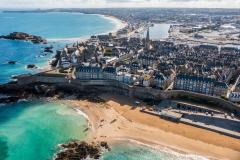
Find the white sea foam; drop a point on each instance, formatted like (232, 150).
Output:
(118, 23)
(22, 100)
(3, 96)
(70, 40)
(159, 149)
(80, 112)
(2, 104)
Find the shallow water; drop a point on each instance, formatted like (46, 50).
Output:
(134, 151)
(24, 53)
(32, 130)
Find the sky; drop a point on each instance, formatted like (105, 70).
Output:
(119, 3)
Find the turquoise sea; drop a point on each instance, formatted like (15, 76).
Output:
(132, 150)
(32, 130)
(57, 26)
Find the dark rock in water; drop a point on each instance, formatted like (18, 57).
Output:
(30, 66)
(11, 99)
(53, 62)
(25, 37)
(48, 49)
(56, 58)
(104, 145)
(12, 62)
(80, 150)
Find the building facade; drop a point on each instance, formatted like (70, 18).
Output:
(194, 84)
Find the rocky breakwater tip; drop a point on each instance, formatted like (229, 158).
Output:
(81, 150)
(24, 37)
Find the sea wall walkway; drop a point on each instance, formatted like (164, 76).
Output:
(113, 86)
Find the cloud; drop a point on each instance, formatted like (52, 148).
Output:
(118, 3)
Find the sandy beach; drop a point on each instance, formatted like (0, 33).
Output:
(116, 119)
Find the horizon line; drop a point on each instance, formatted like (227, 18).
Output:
(45, 8)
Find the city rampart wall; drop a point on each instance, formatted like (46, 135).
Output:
(113, 86)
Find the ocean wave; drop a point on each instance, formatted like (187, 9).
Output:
(80, 112)
(171, 153)
(80, 39)
(22, 100)
(2, 104)
(3, 96)
(119, 24)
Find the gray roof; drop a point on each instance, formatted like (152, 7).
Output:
(196, 78)
(87, 69)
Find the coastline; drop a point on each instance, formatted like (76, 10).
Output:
(119, 24)
(159, 148)
(125, 123)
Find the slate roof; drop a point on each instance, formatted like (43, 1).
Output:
(160, 76)
(196, 78)
(87, 69)
(109, 69)
(221, 84)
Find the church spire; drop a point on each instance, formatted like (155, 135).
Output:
(148, 36)
(147, 40)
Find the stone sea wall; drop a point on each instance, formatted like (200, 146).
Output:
(111, 86)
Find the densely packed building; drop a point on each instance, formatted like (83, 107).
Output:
(205, 69)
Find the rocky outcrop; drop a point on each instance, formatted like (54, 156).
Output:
(11, 99)
(12, 62)
(105, 145)
(48, 49)
(31, 66)
(56, 58)
(28, 91)
(25, 37)
(81, 150)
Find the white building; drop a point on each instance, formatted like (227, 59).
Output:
(234, 96)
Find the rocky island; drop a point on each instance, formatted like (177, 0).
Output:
(24, 37)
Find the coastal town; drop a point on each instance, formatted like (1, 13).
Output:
(191, 62)
(131, 58)
(162, 64)
(191, 77)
